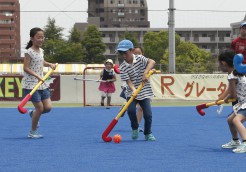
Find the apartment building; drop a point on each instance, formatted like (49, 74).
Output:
(9, 31)
(119, 13)
(211, 39)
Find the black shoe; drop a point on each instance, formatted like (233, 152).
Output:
(102, 104)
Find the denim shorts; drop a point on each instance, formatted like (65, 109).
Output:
(242, 112)
(38, 95)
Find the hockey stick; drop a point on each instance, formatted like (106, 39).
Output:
(105, 134)
(200, 107)
(28, 96)
(82, 79)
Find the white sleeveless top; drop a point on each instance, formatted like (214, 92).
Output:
(36, 65)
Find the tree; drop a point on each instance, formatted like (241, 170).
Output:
(93, 45)
(156, 43)
(190, 59)
(132, 36)
(75, 35)
(52, 31)
(58, 50)
(64, 52)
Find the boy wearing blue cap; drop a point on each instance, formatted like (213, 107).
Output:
(134, 71)
(239, 44)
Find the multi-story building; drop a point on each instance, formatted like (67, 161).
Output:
(211, 39)
(119, 13)
(9, 30)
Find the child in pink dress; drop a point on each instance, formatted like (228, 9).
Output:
(107, 87)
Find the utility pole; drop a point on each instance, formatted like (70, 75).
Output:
(171, 36)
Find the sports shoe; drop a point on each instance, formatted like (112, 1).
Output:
(140, 130)
(231, 144)
(34, 135)
(122, 106)
(240, 149)
(31, 114)
(150, 137)
(134, 134)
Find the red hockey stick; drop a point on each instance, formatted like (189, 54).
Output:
(105, 134)
(28, 96)
(200, 107)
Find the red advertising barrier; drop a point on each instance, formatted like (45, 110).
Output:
(11, 87)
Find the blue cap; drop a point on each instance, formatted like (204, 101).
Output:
(124, 45)
(243, 24)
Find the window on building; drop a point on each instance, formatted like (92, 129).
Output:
(204, 46)
(102, 19)
(136, 11)
(142, 3)
(204, 35)
(112, 1)
(99, 1)
(112, 50)
(222, 39)
(101, 10)
(129, 1)
(142, 11)
(130, 11)
(135, 1)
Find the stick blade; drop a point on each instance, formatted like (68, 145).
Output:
(200, 108)
(105, 134)
(21, 108)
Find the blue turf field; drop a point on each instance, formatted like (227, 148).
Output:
(72, 141)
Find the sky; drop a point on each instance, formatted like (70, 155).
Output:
(219, 13)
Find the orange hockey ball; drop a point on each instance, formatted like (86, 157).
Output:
(117, 138)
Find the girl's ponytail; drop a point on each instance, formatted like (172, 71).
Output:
(29, 44)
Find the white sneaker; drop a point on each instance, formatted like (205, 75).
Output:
(31, 114)
(34, 135)
(231, 144)
(240, 149)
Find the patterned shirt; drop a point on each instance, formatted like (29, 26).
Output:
(36, 65)
(134, 72)
(241, 91)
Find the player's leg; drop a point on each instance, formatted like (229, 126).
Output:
(109, 99)
(139, 116)
(103, 96)
(238, 122)
(35, 118)
(147, 114)
(45, 97)
(133, 118)
(234, 134)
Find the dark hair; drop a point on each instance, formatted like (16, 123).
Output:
(33, 32)
(140, 49)
(227, 56)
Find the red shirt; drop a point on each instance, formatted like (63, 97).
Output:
(239, 46)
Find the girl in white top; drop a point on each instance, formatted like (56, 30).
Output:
(236, 89)
(33, 73)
